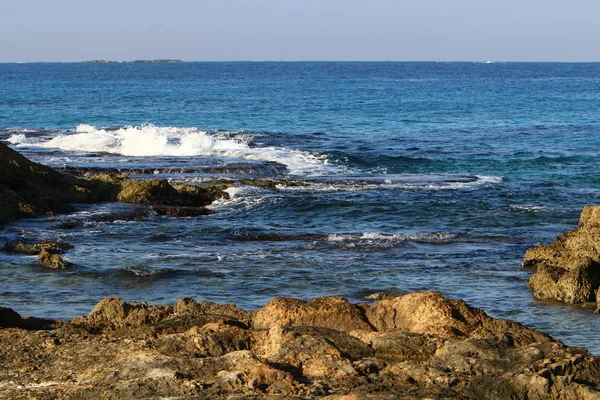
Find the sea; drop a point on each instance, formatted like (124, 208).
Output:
(390, 177)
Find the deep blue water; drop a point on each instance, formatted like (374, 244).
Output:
(418, 176)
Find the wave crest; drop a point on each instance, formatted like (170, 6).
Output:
(151, 140)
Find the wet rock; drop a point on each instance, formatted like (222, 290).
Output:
(52, 260)
(160, 192)
(29, 189)
(53, 247)
(182, 212)
(568, 270)
(328, 312)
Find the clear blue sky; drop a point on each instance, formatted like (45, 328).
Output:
(198, 30)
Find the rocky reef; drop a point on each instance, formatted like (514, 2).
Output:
(416, 346)
(568, 270)
(29, 189)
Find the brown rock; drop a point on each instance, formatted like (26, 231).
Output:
(328, 312)
(53, 247)
(52, 260)
(432, 314)
(201, 351)
(425, 313)
(187, 305)
(160, 192)
(114, 313)
(568, 270)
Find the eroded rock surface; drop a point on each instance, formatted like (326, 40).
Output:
(421, 345)
(568, 270)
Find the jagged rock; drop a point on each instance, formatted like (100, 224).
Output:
(212, 351)
(52, 260)
(568, 270)
(189, 306)
(328, 312)
(114, 313)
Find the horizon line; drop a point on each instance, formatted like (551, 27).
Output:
(176, 61)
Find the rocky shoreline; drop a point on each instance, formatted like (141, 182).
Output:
(568, 270)
(420, 345)
(415, 346)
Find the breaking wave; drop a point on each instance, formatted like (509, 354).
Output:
(150, 140)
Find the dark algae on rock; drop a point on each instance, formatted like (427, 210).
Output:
(420, 345)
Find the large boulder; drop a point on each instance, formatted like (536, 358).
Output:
(568, 270)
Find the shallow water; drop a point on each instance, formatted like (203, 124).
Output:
(416, 176)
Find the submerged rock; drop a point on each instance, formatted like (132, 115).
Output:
(52, 260)
(323, 348)
(568, 270)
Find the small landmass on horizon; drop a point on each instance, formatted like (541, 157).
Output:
(161, 60)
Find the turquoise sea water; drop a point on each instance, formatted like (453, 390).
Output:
(419, 176)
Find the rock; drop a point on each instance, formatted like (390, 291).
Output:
(212, 351)
(52, 260)
(53, 247)
(113, 313)
(180, 212)
(568, 270)
(160, 192)
(328, 312)
(189, 306)
(11, 319)
(433, 314)
(29, 189)
(379, 296)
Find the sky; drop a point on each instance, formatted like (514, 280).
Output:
(289, 30)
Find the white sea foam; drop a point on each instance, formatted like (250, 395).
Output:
(151, 140)
(241, 198)
(17, 139)
(401, 182)
(391, 237)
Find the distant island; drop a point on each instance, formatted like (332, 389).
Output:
(162, 60)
